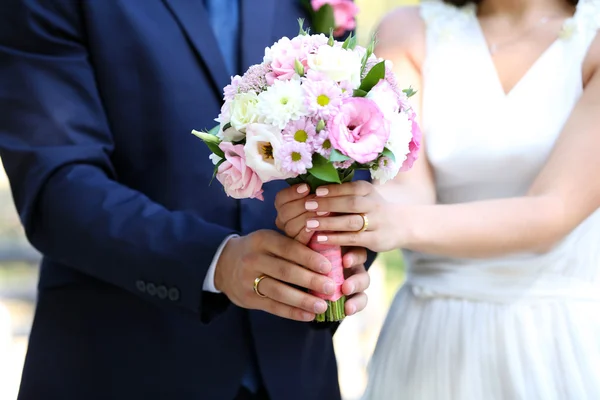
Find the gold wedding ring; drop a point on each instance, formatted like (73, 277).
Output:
(256, 283)
(365, 223)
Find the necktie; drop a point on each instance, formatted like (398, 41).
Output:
(224, 20)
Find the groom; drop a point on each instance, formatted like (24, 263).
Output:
(142, 258)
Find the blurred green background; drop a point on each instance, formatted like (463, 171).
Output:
(18, 278)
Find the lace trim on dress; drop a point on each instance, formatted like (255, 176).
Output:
(444, 20)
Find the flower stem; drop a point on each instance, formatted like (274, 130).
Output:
(335, 311)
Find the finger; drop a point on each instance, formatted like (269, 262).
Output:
(297, 253)
(363, 239)
(294, 274)
(341, 223)
(283, 310)
(356, 304)
(290, 194)
(357, 188)
(290, 296)
(304, 236)
(294, 226)
(291, 210)
(354, 256)
(343, 204)
(358, 281)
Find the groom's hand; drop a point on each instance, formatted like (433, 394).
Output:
(284, 262)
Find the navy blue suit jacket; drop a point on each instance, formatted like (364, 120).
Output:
(97, 101)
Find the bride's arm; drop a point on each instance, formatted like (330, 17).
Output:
(564, 194)
(401, 39)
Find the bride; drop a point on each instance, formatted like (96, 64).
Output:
(499, 217)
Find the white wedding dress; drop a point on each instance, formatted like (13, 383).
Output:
(521, 327)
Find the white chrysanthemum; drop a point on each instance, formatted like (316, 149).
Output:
(385, 170)
(263, 143)
(281, 103)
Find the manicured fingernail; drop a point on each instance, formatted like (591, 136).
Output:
(321, 239)
(320, 307)
(312, 224)
(322, 192)
(351, 309)
(325, 267)
(308, 317)
(307, 230)
(322, 213)
(350, 261)
(351, 288)
(302, 189)
(311, 205)
(329, 288)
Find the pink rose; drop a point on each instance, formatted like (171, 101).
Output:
(239, 180)
(360, 130)
(282, 56)
(344, 13)
(415, 143)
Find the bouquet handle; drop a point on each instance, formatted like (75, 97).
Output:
(336, 301)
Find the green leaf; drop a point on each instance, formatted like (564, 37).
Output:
(359, 93)
(410, 92)
(214, 131)
(336, 156)
(368, 54)
(324, 170)
(389, 154)
(348, 175)
(315, 183)
(376, 74)
(215, 149)
(350, 43)
(331, 40)
(302, 32)
(323, 19)
(215, 171)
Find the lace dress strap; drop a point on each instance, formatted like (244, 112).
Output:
(583, 28)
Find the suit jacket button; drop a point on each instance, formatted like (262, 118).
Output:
(141, 286)
(173, 294)
(151, 289)
(162, 292)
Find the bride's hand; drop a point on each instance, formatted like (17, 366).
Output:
(300, 215)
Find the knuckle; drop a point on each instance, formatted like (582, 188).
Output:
(355, 223)
(315, 282)
(353, 238)
(296, 314)
(249, 259)
(354, 204)
(284, 272)
(306, 303)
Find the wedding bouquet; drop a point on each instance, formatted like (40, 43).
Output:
(314, 111)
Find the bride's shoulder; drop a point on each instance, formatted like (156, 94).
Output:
(402, 30)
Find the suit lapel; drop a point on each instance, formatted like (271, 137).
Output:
(194, 20)
(256, 31)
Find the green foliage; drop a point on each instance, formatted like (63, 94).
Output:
(324, 170)
(376, 74)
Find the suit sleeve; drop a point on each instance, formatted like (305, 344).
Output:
(56, 146)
